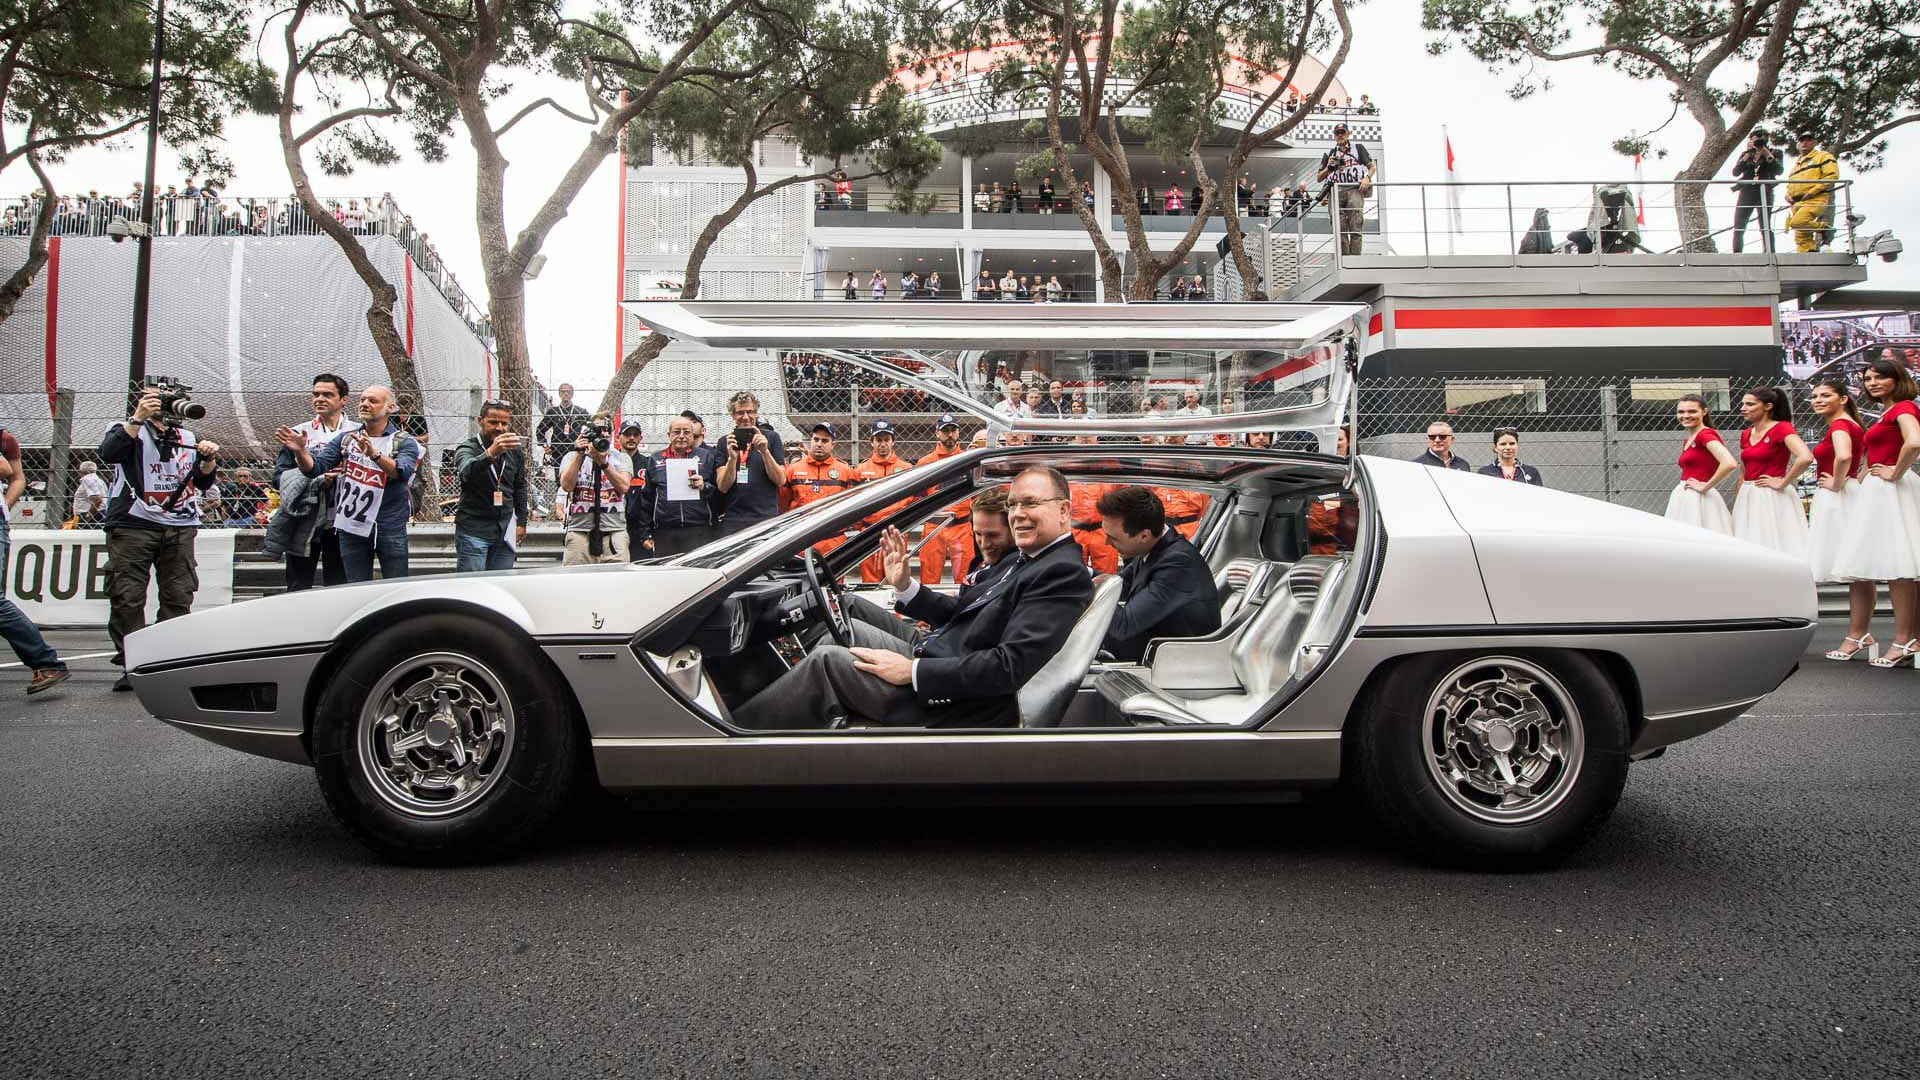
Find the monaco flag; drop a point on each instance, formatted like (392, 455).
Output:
(1454, 227)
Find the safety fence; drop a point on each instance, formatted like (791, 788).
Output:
(1610, 438)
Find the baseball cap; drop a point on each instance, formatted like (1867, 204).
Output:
(822, 426)
(1338, 128)
(947, 420)
(631, 425)
(881, 427)
(693, 416)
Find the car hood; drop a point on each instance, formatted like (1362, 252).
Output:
(587, 601)
(1551, 557)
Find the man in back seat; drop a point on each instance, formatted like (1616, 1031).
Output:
(1167, 589)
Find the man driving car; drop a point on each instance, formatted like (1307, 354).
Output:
(983, 646)
(992, 541)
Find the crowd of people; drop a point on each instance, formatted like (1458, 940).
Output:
(1865, 518)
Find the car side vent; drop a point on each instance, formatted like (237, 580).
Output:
(259, 697)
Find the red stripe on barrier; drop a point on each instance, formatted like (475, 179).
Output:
(1376, 324)
(1566, 318)
(409, 305)
(53, 320)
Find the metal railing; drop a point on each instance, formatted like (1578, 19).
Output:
(90, 215)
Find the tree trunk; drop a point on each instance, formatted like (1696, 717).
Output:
(21, 280)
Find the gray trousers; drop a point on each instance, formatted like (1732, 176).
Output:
(825, 685)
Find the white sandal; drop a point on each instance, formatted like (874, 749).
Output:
(1863, 643)
(1906, 658)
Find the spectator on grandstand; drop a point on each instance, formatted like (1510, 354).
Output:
(1439, 452)
(490, 521)
(89, 496)
(243, 500)
(850, 288)
(1366, 106)
(560, 427)
(986, 288)
(1009, 286)
(750, 475)
(595, 477)
(878, 282)
(1055, 403)
(1015, 405)
(933, 285)
(27, 641)
(1166, 588)
(1055, 291)
(1032, 401)
(982, 202)
(377, 462)
(1175, 202)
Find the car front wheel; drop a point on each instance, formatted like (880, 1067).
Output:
(1496, 761)
(438, 741)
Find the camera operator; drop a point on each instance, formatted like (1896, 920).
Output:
(490, 523)
(28, 643)
(639, 525)
(153, 515)
(752, 466)
(596, 477)
(376, 463)
(303, 526)
(1757, 163)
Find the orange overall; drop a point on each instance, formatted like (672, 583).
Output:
(952, 543)
(1184, 509)
(869, 471)
(808, 480)
(1087, 532)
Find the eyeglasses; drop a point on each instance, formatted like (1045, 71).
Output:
(1033, 504)
(1439, 438)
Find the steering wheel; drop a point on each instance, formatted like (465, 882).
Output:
(827, 601)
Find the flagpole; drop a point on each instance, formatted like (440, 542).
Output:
(1453, 193)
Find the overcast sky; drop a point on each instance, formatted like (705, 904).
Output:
(1562, 134)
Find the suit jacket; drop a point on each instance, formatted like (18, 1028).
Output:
(1168, 592)
(992, 637)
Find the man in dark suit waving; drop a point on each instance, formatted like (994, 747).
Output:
(1167, 589)
(983, 645)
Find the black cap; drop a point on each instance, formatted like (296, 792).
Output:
(1339, 129)
(693, 416)
(822, 426)
(1806, 136)
(631, 425)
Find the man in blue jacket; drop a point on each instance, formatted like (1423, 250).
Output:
(371, 506)
(1439, 453)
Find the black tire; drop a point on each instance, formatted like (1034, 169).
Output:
(1389, 763)
(542, 751)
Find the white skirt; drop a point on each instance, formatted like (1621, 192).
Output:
(1770, 518)
(1828, 529)
(1702, 508)
(1883, 530)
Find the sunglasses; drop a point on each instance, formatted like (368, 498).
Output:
(1439, 438)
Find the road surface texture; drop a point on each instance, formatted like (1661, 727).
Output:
(172, 908)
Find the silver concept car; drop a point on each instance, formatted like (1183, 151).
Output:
(1480, 659)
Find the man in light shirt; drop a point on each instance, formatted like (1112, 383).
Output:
(89, 496)
(1191, 408)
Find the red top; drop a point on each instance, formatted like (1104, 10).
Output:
(1823, 454)
(1884, 438)
(1696, 461)
(1769, 456)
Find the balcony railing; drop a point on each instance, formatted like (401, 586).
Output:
(89, 215)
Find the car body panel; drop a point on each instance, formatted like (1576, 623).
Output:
(1430, 575)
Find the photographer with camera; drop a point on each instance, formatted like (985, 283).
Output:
(490, 523)
(595, 477)
(751, 468)
(1758, 163)
(1347, 171)
(153, 511)
(560, 427)
(370, 507)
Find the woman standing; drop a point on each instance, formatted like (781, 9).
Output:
(1704, 462)
(1883, 513)
(879, 284)
(1836, 462)
(1506, 459)
(1767, 509)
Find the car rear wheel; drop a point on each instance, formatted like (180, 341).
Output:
(438, 741)
(1497, 761)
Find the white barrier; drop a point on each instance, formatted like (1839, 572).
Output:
(59, 576)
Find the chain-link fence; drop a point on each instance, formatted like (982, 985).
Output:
(1607, 438)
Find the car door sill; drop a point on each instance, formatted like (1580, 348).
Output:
(1053, 757)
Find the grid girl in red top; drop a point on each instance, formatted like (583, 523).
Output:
(1883, 516)
(1773, 455)
(1704, 462)
(1837, 462)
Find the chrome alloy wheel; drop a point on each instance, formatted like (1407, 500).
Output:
(1503, 739)
(435, 733)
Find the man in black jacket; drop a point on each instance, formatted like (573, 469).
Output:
(1167, 589)
(983, 645)
(1757, 163)
(559, 427)
(492, 469)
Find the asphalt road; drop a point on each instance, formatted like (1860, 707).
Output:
(170, 908)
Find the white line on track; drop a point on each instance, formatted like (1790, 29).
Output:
(82, 656)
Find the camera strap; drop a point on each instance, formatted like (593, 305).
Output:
(165, 441)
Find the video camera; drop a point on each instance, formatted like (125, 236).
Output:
(176, 400)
